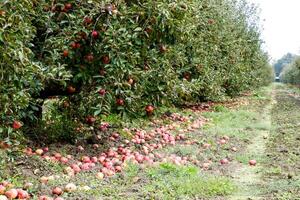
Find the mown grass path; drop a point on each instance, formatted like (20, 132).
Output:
(276, 148)
(246, 177)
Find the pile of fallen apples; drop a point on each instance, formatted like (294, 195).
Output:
(140, 149)
(7, 191)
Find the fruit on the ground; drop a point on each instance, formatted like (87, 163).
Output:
(90, 120)
(80, 148)
(206, 165)
(2, 189)
(64, 160)
(222, 141)
(65, 53)
(16, 124)
(11, 194)
(206, 145)
(252, 162)
(234, 149)
(105, 59)
(44, 179)
(43, 197)
(120, 102)
(70, 187)
(57, 191)
(225, 137)
(71, 89)
(118, 168)
(22, 194)
(2, 197)
(39, 151)
(100, 175)
(57, 155)
(224, 161)
(85, 159)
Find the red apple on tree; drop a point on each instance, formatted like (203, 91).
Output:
(88, 20)
(65, 53)
(149, 109)
(102, 92)
(105, 59)
(120, 102)
(16, 124)
(95, 34)
(71, 89)
(89, 57)
(68, 6)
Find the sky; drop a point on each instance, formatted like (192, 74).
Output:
(281, 28)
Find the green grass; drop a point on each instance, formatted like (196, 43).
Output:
(177, 182)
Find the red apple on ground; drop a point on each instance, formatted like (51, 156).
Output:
(2, 189)
(39, 151)
(11, 194)
(43, 197)
(70, 187)
(22, 194)
(252, 162)
(224, 161)
(57, 191)
(222, 141)
(234, 149)
(100, 175)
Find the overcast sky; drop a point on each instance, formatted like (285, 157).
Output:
(281, 22)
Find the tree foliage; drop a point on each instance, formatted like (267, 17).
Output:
(101, 57)
(291, 73)
(282, 62)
